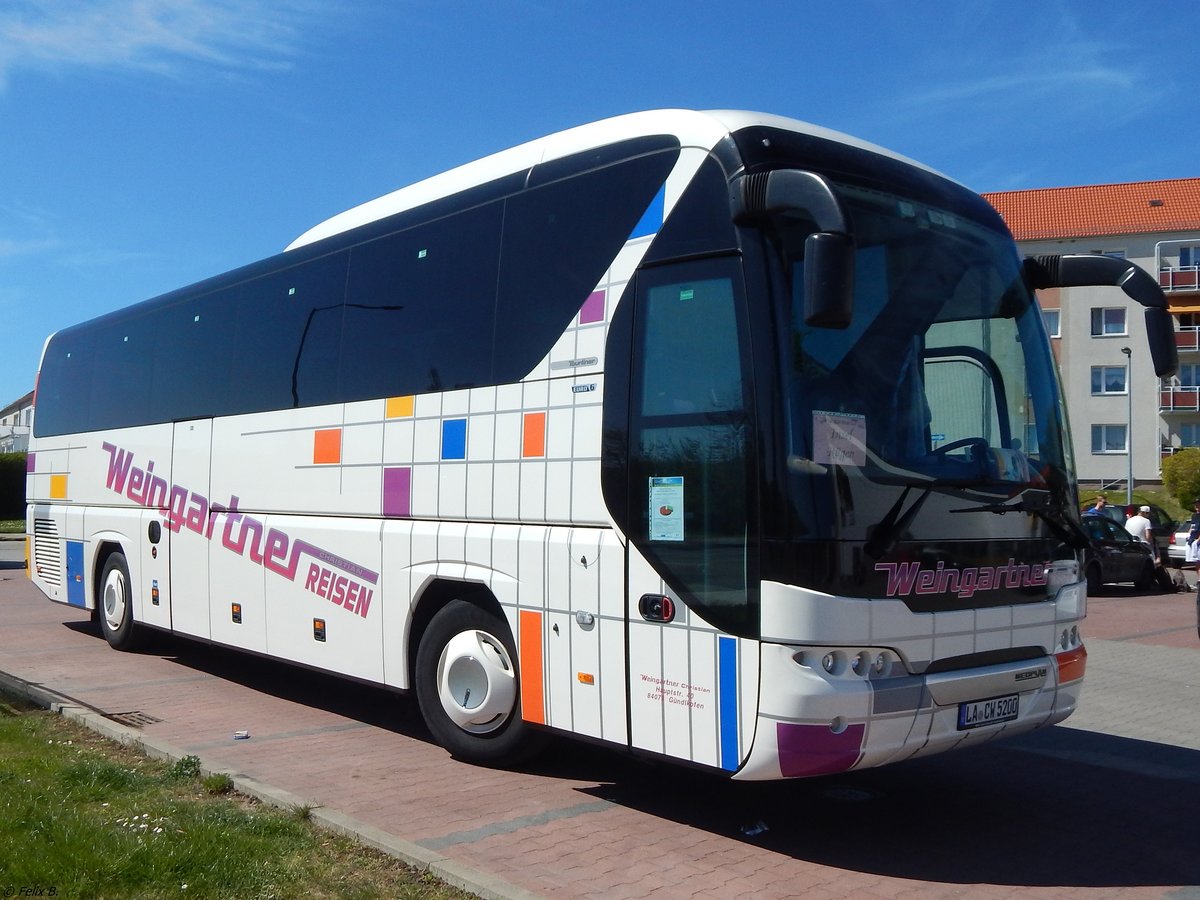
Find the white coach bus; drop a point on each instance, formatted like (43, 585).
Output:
(689, 432)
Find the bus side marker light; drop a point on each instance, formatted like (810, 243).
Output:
(319, 630)
(1071, 664)
(587, 678)
(236, 611)
(154, 597)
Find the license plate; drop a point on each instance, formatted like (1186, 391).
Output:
(987, 712)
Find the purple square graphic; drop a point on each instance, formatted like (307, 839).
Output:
(814, 750)
(592, 309)
(397, 492)
(29, 462)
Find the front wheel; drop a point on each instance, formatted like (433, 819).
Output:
(115, 605)
(468, 685)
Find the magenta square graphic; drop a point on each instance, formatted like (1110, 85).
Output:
(397, 492)
(29, 462)
(592, 309)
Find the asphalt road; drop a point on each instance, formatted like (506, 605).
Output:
(1104, 805)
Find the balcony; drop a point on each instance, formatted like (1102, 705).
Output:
(1179, 278)
(1187, 339)
(1178, 399)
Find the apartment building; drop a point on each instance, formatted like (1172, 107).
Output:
(1117, 406)
(15, 420)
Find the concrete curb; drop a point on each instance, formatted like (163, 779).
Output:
(448, 870)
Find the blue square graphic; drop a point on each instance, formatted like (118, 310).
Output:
(454, 439)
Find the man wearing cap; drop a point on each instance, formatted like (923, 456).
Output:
(1139, 526)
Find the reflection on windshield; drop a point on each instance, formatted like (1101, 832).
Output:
(944, 375)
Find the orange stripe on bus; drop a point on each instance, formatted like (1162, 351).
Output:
(1071, 665)
(533, 705)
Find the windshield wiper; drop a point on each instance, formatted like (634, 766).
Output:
(1037, 503)
(884, 534)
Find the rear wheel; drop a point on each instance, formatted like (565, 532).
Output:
(468, 685)
(115, 604)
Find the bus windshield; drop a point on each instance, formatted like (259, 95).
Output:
(944, 378)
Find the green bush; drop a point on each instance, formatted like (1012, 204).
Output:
(12, 485)
(1181, 476)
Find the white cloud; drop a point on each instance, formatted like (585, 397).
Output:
(161, 36)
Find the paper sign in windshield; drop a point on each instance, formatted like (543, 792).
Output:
(839, 439)
(666, 508)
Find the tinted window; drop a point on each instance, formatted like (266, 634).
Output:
(421, 306)
(191, 375)
(122, 372)
(287, 327)
(559, 240)
(432, 306)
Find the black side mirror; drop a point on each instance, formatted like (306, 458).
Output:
(828, 280)
(1094, 269)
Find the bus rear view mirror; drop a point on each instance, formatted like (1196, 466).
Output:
(799, 206)
(1095, 269)
(828, 280)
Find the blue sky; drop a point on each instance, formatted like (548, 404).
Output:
(146, 144)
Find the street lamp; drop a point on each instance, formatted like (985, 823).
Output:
(1129, 433)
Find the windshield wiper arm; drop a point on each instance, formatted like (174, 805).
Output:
(883, 535)
(1037, 503)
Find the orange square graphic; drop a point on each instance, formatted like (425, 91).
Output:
(533, 440)
(58, 487)
(327, 446)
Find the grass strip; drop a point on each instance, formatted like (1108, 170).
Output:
(82, 816)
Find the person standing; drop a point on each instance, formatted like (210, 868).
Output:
(1139, 526)
(1192, 551)
(1098, 509)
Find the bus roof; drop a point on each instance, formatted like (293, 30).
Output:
(692, 128)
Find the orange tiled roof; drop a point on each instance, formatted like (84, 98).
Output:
(1138, 207)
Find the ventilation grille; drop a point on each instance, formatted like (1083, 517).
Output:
(47, 552)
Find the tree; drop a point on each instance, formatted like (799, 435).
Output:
(1181, 476)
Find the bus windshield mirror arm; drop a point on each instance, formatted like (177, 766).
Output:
(1095, 269)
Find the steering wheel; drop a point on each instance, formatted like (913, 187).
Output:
(964, 442)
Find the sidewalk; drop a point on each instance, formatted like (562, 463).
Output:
(589, 823)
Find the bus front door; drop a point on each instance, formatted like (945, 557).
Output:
(693, 656)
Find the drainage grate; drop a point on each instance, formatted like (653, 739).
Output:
(135, 719)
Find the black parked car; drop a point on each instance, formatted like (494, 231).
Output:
(1114, 555)
(1161, 524)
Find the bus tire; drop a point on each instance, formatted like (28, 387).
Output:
(115, 604)
(468, 685)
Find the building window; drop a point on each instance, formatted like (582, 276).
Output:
(1108, 379)
(1109, 438)
(1115, 254)
(1189, 375)
(1189, 434)
(1051, 318)
(1108, 320)
(1189, 256)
